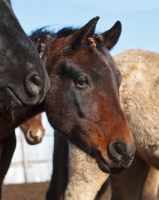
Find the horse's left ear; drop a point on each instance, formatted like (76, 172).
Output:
(111, 36)
(80, 37)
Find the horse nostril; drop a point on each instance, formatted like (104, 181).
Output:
(34, 85)
(31, 134)
(120, 148)
(36, 80)
(117, 150)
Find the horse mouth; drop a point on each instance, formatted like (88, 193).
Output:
(15, 100)
(33, 142)
(104, 166)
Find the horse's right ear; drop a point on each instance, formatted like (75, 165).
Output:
(111, 36)
(80, 37)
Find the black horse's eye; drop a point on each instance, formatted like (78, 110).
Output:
(81, 82)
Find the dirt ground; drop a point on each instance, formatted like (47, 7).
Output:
(31, 191)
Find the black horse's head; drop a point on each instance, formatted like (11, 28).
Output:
(23, 78)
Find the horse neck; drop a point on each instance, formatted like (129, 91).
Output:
(27, 113)
(85, 177)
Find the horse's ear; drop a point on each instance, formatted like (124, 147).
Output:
(80, 37)
(111, 36)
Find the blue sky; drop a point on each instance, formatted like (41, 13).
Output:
(140, 19)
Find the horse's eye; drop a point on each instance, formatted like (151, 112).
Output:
(81, 82)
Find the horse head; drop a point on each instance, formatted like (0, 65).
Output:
(24, 80)
(83, 100)
(33, 130)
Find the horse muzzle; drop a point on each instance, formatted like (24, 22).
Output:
(119, 157)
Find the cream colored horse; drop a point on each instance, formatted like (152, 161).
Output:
(139, 95)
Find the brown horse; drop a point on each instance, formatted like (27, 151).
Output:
(139, 99)
(83, 100)
(33, 130)
(24, 80)
(86, 79)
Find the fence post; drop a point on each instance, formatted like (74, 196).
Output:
(25, 159)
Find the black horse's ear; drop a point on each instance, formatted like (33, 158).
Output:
(111, 36)
(80, 37)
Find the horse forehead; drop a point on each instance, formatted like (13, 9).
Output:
(81, 59)
(86, 58)
(70, 66)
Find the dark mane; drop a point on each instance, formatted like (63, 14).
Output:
(44, 31)
(43, 37)
(44, 34)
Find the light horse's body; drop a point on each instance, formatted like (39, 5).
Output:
(33, 130)
(139, 94)
(139, 99)
(82, 102)
(23, 77)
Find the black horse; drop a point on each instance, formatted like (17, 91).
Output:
(23, 78)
